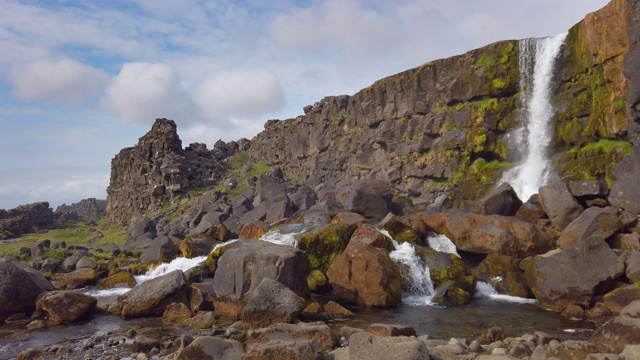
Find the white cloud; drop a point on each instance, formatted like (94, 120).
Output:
(143, 91)
(239, 93)
(64, 81)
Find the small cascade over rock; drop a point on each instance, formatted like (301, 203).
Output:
(537, 61)
(485, 290)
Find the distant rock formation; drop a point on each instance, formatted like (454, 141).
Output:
(24, 219)
(145, 176)
(88, 210)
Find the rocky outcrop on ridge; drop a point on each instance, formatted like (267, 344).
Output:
(87, 210)
(24, 219)
(158, 169)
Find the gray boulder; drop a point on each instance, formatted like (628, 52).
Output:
(367, 197)
(622, 330)
(18, 289)
(162, 250)
(625, 192)
(86, 263)
(141, 235)
(502, 200)
(572, 276)
(600, 223)
(633, 266)
(246, 263)
(271, 302)
(365, 346)
(152, 297)
(588, 188)
(561, 207)
(210, 347)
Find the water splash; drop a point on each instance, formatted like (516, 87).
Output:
(487, 291)
(537, 60)
(441, 243)
(289, 234)
(421, 289)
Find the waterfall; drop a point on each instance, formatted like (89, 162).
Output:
(421, 289)
(536, 61)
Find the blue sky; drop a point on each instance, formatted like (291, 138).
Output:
(80, 80)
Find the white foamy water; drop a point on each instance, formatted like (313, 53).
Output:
(421, 290)
(537, 60)
(180, 263)
(441, 243)
(288, 235)
(487, 291)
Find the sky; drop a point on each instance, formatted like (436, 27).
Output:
(81, 80)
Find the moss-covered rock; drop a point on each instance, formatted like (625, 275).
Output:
(503, 273)
(324, 244)
(122, 277)
(318, 282)
(457, 271)
(399, 231)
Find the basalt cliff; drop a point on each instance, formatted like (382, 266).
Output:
(437, 131)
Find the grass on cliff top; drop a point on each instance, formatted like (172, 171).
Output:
(71, 232)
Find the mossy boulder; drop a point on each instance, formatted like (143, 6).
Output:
(503, 273)
(324, 244)
(318, 282)
(197, 245)
(122, 277)
(212, 259)
(399, 230)
(449, 294)
(455, 270)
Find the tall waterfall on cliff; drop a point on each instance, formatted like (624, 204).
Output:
(537, 60)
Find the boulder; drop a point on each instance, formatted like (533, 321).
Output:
(622, 330)
(367, 197)
(271, 302)
(324, 244)
(197, 245)
(369, 235)
(119, 279)
(617, 299)
(399, 231)
(561, 207)
(152, 297)
(141, 234)
(335, 311)
(303, 198)
(365, 275)
(633, 266)
(78, 278)
(495, 234)
(349, 219)
(38, 248)
(175, 313)
(531, 211)
(588, 188)
(201, 321)
(86, 263)
(593, 222)
(285, 350)
(625, 192)
(390, 330)
(318, 331)
(455, 270)
(66, 306)
(161, 250)
(246, 262)
(253, 230)
(18, 290)
(371, 347)
(502, 200)
(322, 212)
(587, 268)
(211, 347)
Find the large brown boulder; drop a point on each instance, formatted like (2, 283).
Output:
(559, 204)
(66, 306)
(246, 262)
(75, 279)
(572, 276)
(592, 222)
(18, 291)
(492, 234)
(152, 296)
(366, 275)
(399, 231)
(369, 235)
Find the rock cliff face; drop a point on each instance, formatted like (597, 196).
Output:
(24, 219)
(437, 130)
(89, 210)
(146, 176)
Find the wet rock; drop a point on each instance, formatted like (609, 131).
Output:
(318, 331)
(78, 278)
(593, 222)
(586, 267)
(66, 306)
(161, 250)
(365, 275)
(492, 234)
(502, 200)
(399, 231)
(367, 346)
(18, 290)
(503, 273)
(246, 262)
(561, 207)
(271, 302)
(285, 350)
(153, 296)
(210, 347)
(369, 235)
